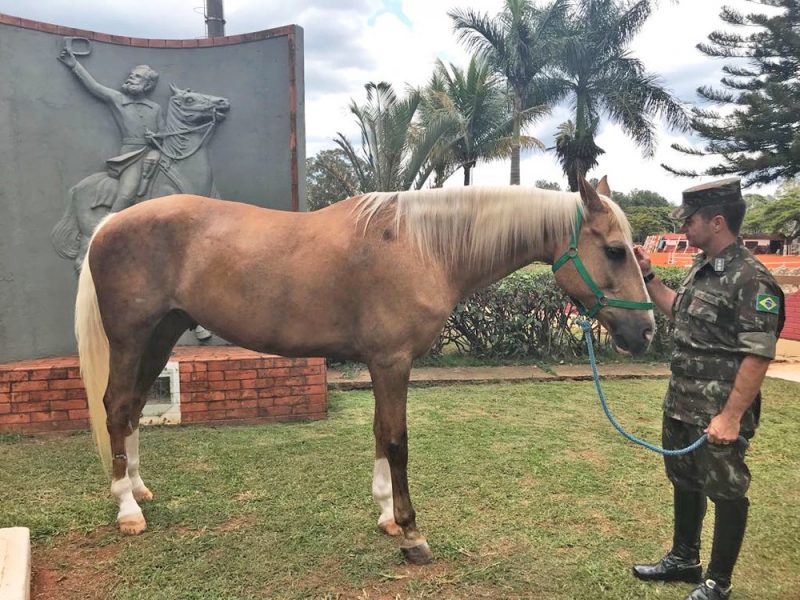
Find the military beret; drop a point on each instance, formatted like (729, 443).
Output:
(714, 193)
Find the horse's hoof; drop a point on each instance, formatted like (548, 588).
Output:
(391, 528)
(142, 495)
(132, 524)
(418, 555)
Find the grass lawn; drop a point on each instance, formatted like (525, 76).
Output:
(523, 490)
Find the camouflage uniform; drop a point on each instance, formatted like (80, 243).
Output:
(726, 308)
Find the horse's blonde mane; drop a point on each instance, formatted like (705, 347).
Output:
(480, 224)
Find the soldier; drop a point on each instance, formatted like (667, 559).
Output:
(727, 317)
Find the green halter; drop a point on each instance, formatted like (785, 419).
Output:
(602, 301)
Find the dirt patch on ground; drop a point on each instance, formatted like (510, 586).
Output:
(74, 567)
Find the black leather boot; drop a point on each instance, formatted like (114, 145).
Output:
(730, 522)
(710, 590)
(682, 562)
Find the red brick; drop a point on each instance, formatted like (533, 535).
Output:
(68, 405)
(290, 380)
(66, 384)
(28, 386)
(307, 389)
(78, 414)
(5, 387)
(53, 415)
(258, 383)
(27, 407)
(275, 411)
(74, 394)
(5, 409)
(194, 407)
(11, 419)
(216, 396)
(224, 385)
(13, 376)
(48, 374)
(241, 374)
(74, 373)
(224, 365)
(47, 396)
(288, 400)
(194, 386)
(215, 375)
(242, 413)
(5, 398)
(273, 392)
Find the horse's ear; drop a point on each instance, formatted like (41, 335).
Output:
(590, 197)
(173, 88)
(603, 188)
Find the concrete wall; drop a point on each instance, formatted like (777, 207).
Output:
(53, 133)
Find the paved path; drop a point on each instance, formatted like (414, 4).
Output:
(786, 366)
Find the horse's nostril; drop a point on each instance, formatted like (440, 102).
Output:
(648, 334)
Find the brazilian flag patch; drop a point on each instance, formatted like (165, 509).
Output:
(768, 303)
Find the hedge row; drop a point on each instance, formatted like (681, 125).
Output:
(527, 315)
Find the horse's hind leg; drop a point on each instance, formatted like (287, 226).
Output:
(390, 385)
(153, 360)
(134, 366)
(121, 402)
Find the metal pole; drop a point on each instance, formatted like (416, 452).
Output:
(215, 21)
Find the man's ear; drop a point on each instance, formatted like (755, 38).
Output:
(603, 188)
(590, 197)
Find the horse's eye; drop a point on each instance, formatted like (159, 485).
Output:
(615, 253)
(189, 100)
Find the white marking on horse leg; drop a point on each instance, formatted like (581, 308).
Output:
(140, 491)
(130, 517)
(382, 493)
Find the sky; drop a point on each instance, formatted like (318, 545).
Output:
(351, 42)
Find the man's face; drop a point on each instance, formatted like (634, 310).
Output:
(699, 231)
(137, 83)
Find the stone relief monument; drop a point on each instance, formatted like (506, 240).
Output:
(156, 157)
(71, 147)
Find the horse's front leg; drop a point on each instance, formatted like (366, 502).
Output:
(382, 490)
(390, 386)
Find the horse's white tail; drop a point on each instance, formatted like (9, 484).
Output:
(94, 355)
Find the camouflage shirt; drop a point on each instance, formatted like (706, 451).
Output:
(726, 308)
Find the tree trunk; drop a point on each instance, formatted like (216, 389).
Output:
(517, 117)
(468, 173)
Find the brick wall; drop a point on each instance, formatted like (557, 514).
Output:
(217, 385)
(791, 329)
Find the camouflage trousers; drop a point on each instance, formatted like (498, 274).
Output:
(717, 471)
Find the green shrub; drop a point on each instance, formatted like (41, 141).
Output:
(525, 315)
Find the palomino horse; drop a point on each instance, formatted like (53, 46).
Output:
(183, 167)
(372, 279)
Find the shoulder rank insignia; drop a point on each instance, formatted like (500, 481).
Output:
(719, 265)
(768, 303)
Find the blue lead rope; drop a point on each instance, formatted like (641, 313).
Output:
(587, 334)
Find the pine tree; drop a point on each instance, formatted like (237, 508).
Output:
(755, 131)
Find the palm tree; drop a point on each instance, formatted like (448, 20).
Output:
(598, 74)
(474, 103)
(394, 149)
(576, 153)
(519, 44)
